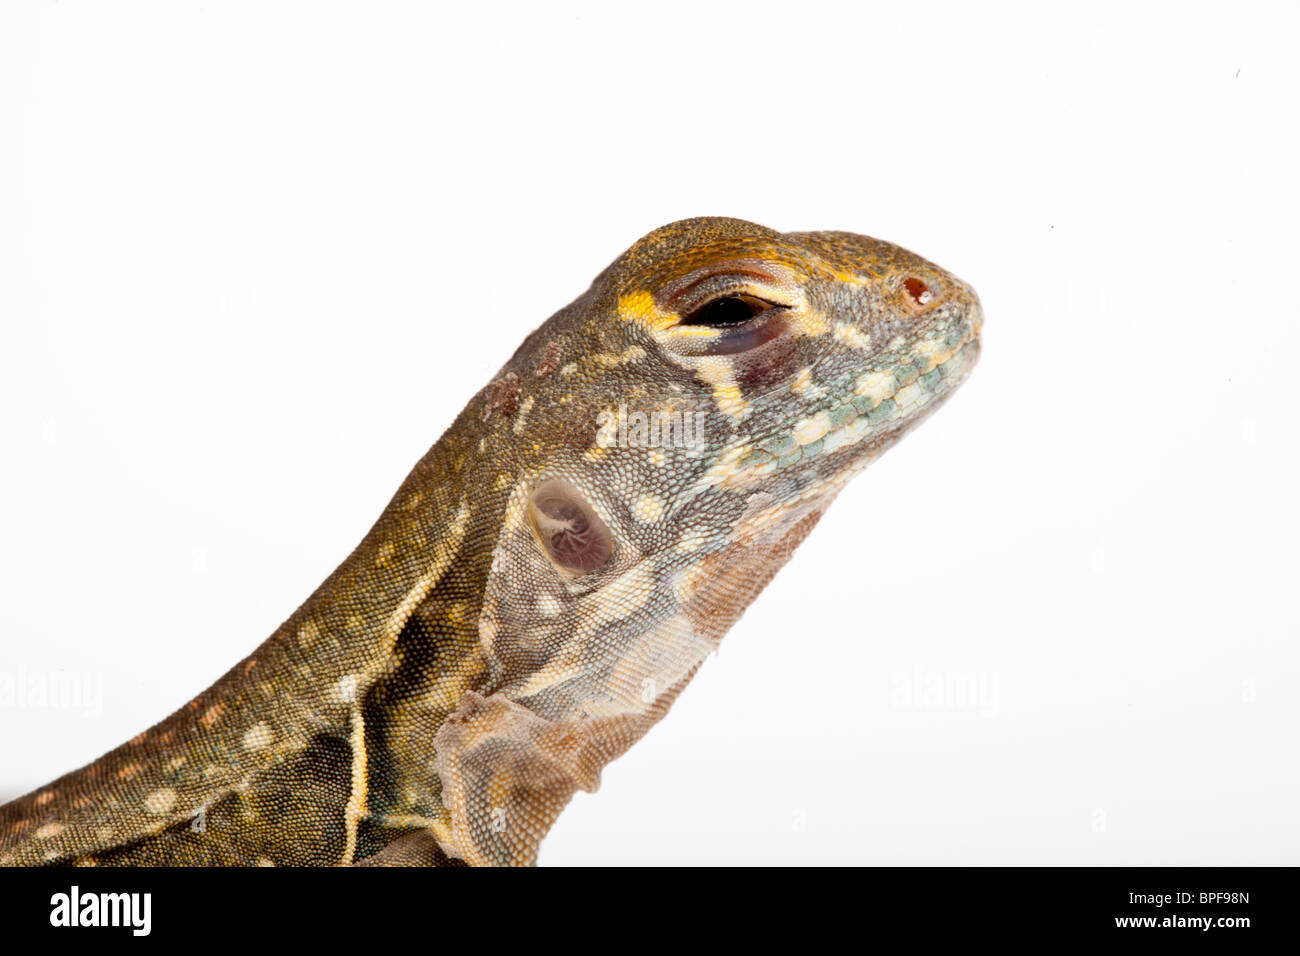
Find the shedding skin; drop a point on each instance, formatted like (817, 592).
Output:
(550, 575)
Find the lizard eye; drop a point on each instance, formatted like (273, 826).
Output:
(741, 322)
(568, 527)
(727, 311)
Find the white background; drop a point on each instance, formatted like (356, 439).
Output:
(254, 258)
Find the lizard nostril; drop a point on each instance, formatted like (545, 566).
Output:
(918, 290)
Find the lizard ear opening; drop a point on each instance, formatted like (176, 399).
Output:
(568, 528)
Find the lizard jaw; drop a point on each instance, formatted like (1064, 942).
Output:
(870, 422)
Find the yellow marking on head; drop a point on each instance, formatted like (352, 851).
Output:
(160, 801)
(846, 434)
(909, 396)
(726, 393)
(729, 401)
(725, 467)
(648, 509)
(548, 606)
(521, 417)
(258, 736)
(568, 368)
(386, 551)
(851, 278)
(852, 336)
(804, 386)
(808, 321)
(640, 307)
(812, 428)
(931, 352)
(656, 457)
(696, 332)
(878, 386)
(633, 353)
(503, 480)
(595, 453)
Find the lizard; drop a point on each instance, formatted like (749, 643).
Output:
(550, 575)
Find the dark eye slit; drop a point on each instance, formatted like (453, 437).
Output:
(729, 310)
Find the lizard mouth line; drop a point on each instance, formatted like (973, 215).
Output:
(842, 453)
(859, 417)
(939, 381)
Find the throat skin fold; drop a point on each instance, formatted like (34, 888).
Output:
(534, 597)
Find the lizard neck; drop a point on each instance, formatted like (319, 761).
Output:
(384, 611)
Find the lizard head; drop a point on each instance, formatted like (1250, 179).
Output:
(808, 353)
(662, 445)
(675, 432)
(721, 377)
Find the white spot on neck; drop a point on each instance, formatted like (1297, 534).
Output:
(160, 801)
(257, 736)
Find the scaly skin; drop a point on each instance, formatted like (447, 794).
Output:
(550, 575)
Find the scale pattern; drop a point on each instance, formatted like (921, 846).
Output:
(550, 575)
